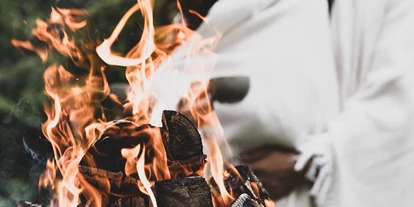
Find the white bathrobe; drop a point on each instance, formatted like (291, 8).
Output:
(362, 106)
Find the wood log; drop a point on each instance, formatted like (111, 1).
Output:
(105, 153)
(247, 174)
(239, 182)
(183, 145)
(245, 200)
(120, 185)
(131, 202)
(182, 139)
(103, 163)
(189, 191)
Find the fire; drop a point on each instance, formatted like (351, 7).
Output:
(49, 176)
(138, 165)
(76, 118)
(209, 124)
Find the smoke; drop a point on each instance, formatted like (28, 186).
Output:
(23, 152)
(39, 149)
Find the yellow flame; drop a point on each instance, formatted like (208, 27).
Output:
(49, 175)
(143, 177)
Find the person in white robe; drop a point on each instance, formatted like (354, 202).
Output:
(371, 140)
(340, 91)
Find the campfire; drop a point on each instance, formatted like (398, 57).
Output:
(110, 152)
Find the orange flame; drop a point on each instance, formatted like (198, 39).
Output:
(71, 104)
(75, 115)
(134, 165)
(48, 177)
(199, 107)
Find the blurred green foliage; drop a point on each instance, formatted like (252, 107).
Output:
(21, 81)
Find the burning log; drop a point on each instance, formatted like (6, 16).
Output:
(103, 166)
(189, 191)
(128, 164)
(104, 163)
(129, 202)
(182, 139)
(183, 144)
(243, 185)
(245, 200)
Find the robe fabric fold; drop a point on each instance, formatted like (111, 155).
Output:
(373, 135)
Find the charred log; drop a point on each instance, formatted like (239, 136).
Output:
(245, 200)
(103, 166)
(131, 202)
(182, 139)
(190, 191)
(241, 182)
(103, 163)
(105, 153)
(183, 144)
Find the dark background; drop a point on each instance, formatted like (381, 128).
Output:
(23, 149)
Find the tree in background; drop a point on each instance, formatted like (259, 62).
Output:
(23, 149)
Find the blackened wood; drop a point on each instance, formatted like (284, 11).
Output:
(239, 182)
(105, 153)
(249, 175)
(121, 185)
(182, 140)
(184, 168)
(131, 202)
(245, 200)
(190, 191)
(103, 163)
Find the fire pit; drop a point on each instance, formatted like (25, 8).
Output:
(186, 160)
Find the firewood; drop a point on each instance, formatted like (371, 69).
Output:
(131, 202)
(244, 181)
(248, 174)
(183, 144)
(189, 191)
(182, 139)
(103, 162)
(245, 200)
(105, 153)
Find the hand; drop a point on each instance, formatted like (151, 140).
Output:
(318, 150)
(275, 169)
